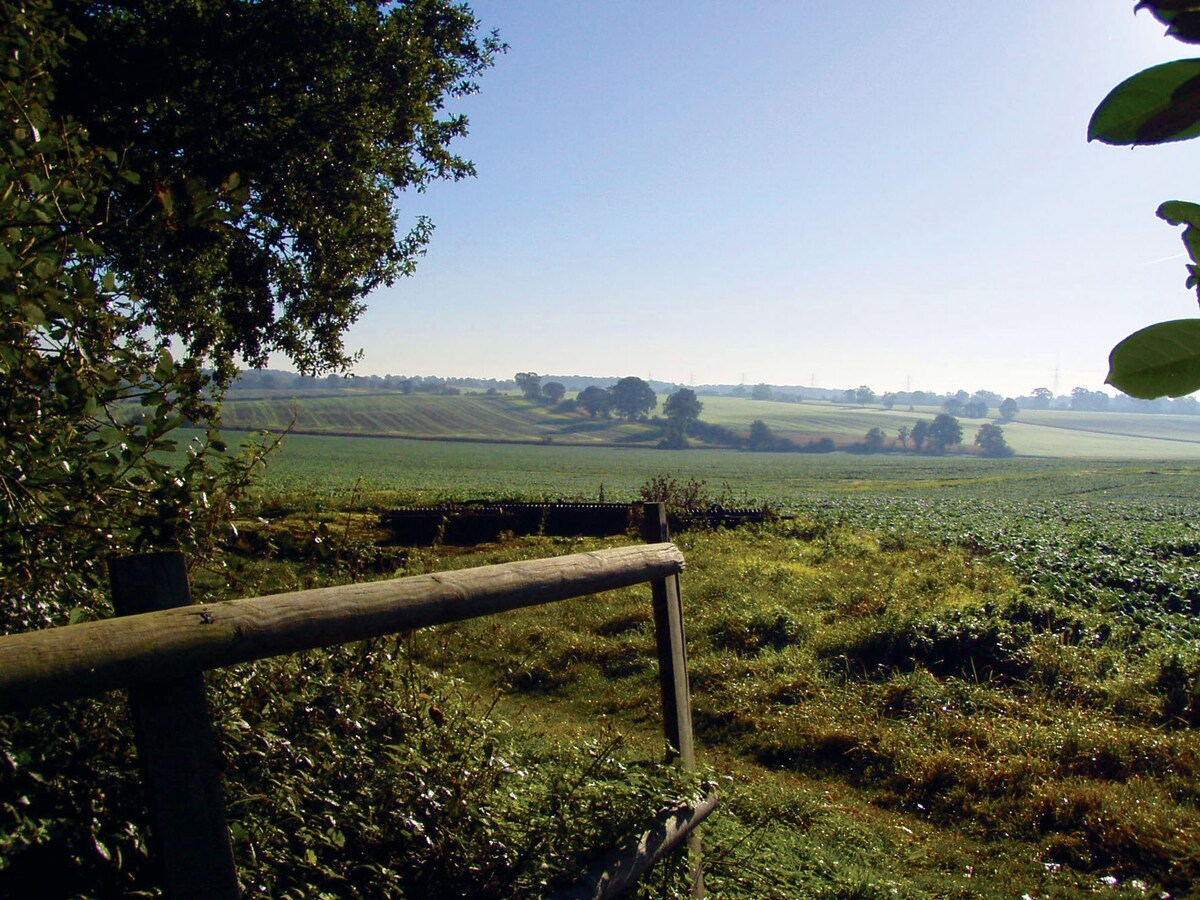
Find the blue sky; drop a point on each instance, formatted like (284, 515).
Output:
(893, 193)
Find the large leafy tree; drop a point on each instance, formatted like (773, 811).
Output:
(1157, 106)
(683, 406)
(189, 187)
(295, 123)
(681, 409)
(990, 441)
(944, 432)
(595, 401)
(633, 398)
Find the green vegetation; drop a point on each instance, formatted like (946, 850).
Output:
(934, 677)
(506, 418)
(944, 667)
(219, 179)
(927, 715)
(945, 677)
(1158, 106)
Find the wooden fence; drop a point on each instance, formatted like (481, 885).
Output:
(160, 644)
(475, 522)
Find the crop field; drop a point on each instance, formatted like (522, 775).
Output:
(1054, 433)
(948, 677)
(420, 471)
(508, 418)
(474, 417)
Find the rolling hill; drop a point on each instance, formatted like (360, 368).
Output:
(506, 418)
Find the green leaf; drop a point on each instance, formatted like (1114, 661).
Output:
(1155, 106)
(1182, 17)
(1180, 212)
(166, 366)
(1161, 360)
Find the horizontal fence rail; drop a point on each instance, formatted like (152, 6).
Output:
(94, 657)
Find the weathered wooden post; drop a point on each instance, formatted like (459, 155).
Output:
(176, 748)
(672, 670)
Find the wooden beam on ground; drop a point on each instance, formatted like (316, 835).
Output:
(622, 871)
(93, 657)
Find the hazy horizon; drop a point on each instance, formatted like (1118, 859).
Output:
(794, 194)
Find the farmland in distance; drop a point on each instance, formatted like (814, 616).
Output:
(1031, 623)
(505, 418)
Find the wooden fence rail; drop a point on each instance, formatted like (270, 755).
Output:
(93, 657)
(160, 644)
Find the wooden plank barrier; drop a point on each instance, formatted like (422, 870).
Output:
(159, 644)
(93, 657)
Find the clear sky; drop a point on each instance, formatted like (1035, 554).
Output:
(894, 192)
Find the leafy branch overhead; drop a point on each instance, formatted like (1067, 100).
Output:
(1158, 106)
(190, 187)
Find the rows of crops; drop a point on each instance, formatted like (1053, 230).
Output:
(936, 677)
(1053, 433)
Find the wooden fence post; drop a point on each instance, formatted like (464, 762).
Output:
(672, 670)
(176, 748)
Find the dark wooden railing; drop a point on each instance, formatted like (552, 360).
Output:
(160, 644)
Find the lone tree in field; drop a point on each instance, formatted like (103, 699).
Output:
(1009, 409)
(761, 437)
(944, 432)
(683, 406)
(595, 401)
(632, 398)
(529, 384)
(991, 443)
(194, 186)
(874, 440)
(681, 409)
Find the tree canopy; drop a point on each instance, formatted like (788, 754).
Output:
(1158, 106)
(632, 398)
(944, 432)
(683, 405)
(681, 409)
(262, 148)
(595, 401)
(189, 186)
(991, 443)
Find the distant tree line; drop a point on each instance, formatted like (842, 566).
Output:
(978, 405)
(931, 437)
(256, 381)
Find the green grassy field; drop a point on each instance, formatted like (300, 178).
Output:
(478, 417)
(945, 677)
(508, 418)
(420, 471)
(949, 678)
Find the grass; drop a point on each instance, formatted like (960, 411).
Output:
(942, 678)
(891, 689)
(948, 678)
(379, 469)
(508, 418)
